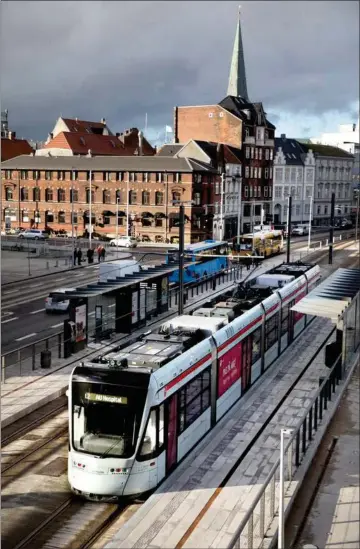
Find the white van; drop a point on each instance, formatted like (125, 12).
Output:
(124, 242)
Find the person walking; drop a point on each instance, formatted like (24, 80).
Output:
(79, 256)
(103, 253)
(88, 254)
(75, 256)
(91, 260)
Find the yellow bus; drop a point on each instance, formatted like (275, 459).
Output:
(262, 243)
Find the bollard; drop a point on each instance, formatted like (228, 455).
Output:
(56, 263)
(47, 265)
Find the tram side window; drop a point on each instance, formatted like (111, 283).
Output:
(271, 331)
(285, 320)
(256, 345)
(194, 399)
(153, 440)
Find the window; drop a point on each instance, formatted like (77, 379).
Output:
(74, 218)
(36, 174)
(153, 440)
(246, 192)
(307, 208)
(251, 172)
(88, 196)
(36, 194)
(48, 175)
(266, 154)
(145, 177)
(260, 154)
(158, 222)
(159, 198)
(247, 171)
(278, 192)
(61, 195)
(271, 331)
(145, 198)
(271, 154)
(9, 193)
(105, 176)
(133, 176)
(217, 187)
(106, 197)
(160, 178)
(252, 152)
(285, 320)
(194, 399)
(211, 114)
(256, 345)
(255, 191)
(266, 173)
(325, 209)
(48, 195)
(259, 192)
(270, 173)
(266, 190)
(278, 175)
(178, 175)
(251, 191)
(90, 174)
(24, 194)
(8, 174)
(74, 195)
(319, 210)
(308, 192)
(119, 176)
(74, 175)
(197, 199)
(176, 196)
(293, 192)
(270, 191)
(61, 217)
(61, 175)
(287, 175)
(247, 132)
(49, 217)
(297, 209)
(286, 191)
(132, 197)
(255, 172)
(118, 195)
(247, 152)
(259, 172)
(24, 174)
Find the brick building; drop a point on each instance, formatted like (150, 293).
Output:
(44, 191)
(11, 146)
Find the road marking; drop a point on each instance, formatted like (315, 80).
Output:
(25, 337)
(9, 320)
(59, 279)
(11, 292)
(36, 285)
(7, 313)
(112, 305)
(91, 314)
(38, 311)
(57, 325)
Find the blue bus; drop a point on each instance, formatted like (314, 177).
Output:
(202, 262)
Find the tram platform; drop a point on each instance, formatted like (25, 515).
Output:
(21, 395)
(204, 501)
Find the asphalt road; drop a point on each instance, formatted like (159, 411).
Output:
(23, 316)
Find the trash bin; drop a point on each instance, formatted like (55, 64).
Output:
(45, 359)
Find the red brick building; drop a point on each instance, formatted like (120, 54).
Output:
(45, 191)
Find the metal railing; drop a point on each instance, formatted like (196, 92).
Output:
(257, 520)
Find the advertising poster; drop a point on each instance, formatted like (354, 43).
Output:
(80, 323)
(229, 369)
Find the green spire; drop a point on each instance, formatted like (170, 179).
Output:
(237, 78)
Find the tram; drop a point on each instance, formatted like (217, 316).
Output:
(136, 412)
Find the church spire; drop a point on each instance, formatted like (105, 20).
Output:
(237, 78)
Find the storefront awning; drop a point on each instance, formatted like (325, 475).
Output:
(147, 214)
(331, 297)
(108, 213)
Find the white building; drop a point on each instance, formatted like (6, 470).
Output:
(334, 174)
(294, 175)
(345, 138)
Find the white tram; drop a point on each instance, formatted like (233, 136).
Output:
(135, 413)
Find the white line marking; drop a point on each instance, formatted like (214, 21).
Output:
(59, 279)
(112, 305)
(7, 313)
(57, 325)
(91, 314)
(11, 292)
(25, 337)
(38, 311)
(9, 320)
(36, 285)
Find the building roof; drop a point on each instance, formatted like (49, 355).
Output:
(325, 150)
(169, 149)
(291, 149)
(238, 105)
(75, 125)
(331, 297)
(82, 142)
(237, 77)
(108, 163)
(11, 148)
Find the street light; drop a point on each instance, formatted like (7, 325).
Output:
(72, 218)
(281, 533)
(127, 206)
(90, 210)
(117, 225)
(310, 219)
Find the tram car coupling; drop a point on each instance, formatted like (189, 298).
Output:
(136, 412)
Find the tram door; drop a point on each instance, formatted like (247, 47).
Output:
(246, 364)
(171, 439)
(291, 322)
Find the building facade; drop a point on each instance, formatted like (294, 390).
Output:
(294, 175)
(55, 193)
(333, 174)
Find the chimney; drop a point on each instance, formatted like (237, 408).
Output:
(89, 153)
(176, 140)
(140, 136)
(283, 136)
(103, 121)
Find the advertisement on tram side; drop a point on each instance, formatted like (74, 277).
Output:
(229, 368)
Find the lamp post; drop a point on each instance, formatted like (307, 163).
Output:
(239, 212)
(90, 210)
(117, 226)
(222, 183)
(72, 217)
(281, 533)
(310, 219)
(127, 205)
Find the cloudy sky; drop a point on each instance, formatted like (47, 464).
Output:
(121, 60)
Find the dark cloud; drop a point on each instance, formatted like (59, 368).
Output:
(123, 59)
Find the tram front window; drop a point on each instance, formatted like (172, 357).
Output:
(106, 419)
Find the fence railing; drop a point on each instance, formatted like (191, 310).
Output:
(252, 529)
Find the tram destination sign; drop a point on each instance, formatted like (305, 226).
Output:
(95, 397)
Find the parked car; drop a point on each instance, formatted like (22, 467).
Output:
(34, 234)
(300, 230)
(124, 242)
(58, 301)
(346, 224)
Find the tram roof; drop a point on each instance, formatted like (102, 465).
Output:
(331, 297)
(206, 245)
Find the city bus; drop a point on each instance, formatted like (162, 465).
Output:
(261, 243)
(208, 258)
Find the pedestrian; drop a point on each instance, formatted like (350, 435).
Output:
(75, 256)
(103, 252)
(98, 250)
(91, 256)
(79, 256)
(88, 254)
